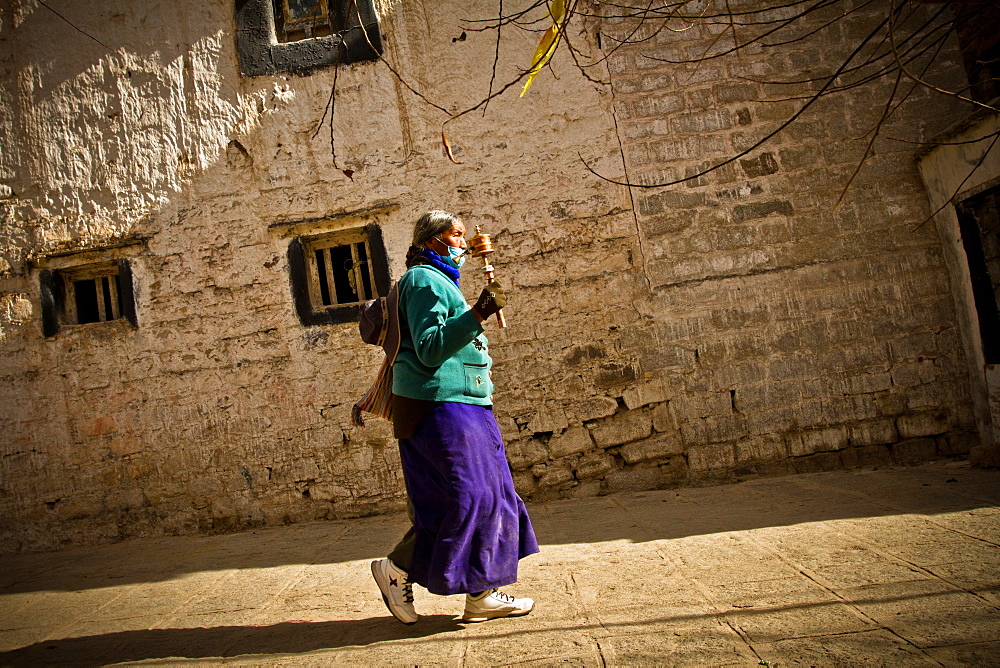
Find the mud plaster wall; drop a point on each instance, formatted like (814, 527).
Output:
(656, 337)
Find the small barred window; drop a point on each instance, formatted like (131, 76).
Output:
(340, 271)
(333, 274)
(296, 20)
(91, 293)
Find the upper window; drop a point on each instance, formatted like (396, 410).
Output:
(333, 274)
(295, 20)
(80, 295)
(294, 35)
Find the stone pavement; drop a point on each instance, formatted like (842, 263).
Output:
(895, 566)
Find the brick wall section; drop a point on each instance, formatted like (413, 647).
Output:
(659, 337)
(779, 334)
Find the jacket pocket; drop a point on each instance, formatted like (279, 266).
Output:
(477, 380)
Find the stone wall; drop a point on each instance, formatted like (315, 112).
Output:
(736, 325)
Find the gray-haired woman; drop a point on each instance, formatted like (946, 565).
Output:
(470, 527)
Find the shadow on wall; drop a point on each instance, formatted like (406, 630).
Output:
(634, 517)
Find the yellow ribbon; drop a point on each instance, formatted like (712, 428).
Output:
(548, 44)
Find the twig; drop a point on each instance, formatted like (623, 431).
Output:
(961, 185)
(937, 89)
(496, 57)
(759, 143)
(79, 30)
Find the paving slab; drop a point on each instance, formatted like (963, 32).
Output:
(892, 566)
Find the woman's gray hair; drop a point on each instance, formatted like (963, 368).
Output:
(430, 225)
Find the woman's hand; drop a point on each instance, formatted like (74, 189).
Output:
(491, 299)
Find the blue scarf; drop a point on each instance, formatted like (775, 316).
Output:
(435, 260)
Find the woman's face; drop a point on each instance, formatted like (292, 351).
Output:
(453, 236)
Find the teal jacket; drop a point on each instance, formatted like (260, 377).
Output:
(443, 353)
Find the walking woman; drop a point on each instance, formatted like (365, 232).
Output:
(470, 527)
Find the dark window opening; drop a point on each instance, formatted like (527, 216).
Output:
(979, 223)
(334, 274)
(86, 302)
(97, 300)
(86, 294)
(296, 20)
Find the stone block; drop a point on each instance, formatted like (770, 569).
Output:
(573, 441)
(655, 356)
(701, 121)
(957, 443)
(525, 484)
(660, 446)
(735, 92)
(122, 445)
(594, 466)
(663, 418)
(870, 455)
(823, 461)
(691, 405)
(762, 165)
(714, 429)
(655, 106)
(711, 457)
(548, 419)
(875, 432)
(525, 453)
(863, 383)
(914, 373)
(914, 451)
(584, 490)
(577, 355)
(667, 223)
(763, 447)
(634, 480)
(615, 374)
(593, 408)
(555, 476)
(645, 393)
(817, 440)
(922, 424)
(800, 157)
(622, 428)
(742, 212)
(328, 491)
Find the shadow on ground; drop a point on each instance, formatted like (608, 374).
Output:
(296, 638)
(223, 641)
(636, 517)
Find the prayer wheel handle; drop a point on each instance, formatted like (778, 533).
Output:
(482, 246)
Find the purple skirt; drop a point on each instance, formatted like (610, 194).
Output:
(471, 526)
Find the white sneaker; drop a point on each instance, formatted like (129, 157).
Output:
(493, 604)
(397, 591)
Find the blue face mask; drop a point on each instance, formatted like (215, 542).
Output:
(456, 255)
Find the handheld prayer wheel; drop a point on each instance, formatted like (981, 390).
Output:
(482, 246)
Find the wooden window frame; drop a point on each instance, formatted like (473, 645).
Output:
(307, 289)
(352, 239)
(107, 293)
(59, 302)
(326, 23)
